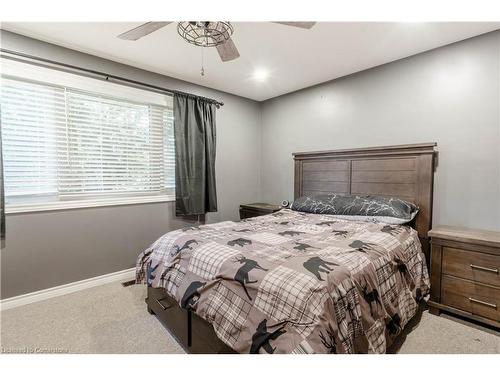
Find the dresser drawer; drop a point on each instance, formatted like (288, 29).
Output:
(471, 265)
(477, 299)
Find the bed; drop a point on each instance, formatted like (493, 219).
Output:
(299, 282)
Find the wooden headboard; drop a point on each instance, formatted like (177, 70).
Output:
(404, 171)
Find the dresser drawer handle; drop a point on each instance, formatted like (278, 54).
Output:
(494, 270)
(162, 305)
(483, 303)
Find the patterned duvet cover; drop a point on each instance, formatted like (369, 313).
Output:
(293, 282)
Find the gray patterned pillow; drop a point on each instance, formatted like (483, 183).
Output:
(358, 207)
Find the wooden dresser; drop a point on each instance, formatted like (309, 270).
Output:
(465, 277)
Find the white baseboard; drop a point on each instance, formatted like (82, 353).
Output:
(40, 295)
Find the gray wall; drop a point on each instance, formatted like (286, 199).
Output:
(53, 248)
(450, 95)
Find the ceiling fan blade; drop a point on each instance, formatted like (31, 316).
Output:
(142, 30)
(228, 51)
(302, 25)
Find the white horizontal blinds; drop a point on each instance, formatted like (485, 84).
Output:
(113, 146)
(169, 151)
(30, 116)
(70, 144)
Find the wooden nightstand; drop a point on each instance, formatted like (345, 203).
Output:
(257, 209)
(465, 277)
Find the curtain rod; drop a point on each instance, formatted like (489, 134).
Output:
(107, 77)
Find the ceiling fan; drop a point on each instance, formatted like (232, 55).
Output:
(203, 34)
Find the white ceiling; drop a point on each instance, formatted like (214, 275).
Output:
(294, 58)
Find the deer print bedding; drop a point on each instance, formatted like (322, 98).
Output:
(293, 282)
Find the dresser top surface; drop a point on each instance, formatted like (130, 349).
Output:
(492, 238)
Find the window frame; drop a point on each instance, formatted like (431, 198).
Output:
(86, 203)
(52, 77)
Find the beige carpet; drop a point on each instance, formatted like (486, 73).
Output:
(113, 319)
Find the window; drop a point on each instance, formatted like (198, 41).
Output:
(82, 141)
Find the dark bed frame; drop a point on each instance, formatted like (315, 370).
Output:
(404, 171)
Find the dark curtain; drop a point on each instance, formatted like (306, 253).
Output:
(194, 126)
(2, 197)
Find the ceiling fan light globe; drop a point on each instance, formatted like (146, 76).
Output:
(205, 34)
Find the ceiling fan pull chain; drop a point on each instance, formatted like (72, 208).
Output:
(202, 72)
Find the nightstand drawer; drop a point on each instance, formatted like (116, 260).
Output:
(257, 209)
(246, 213)
(477, 299)
(471, 265)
